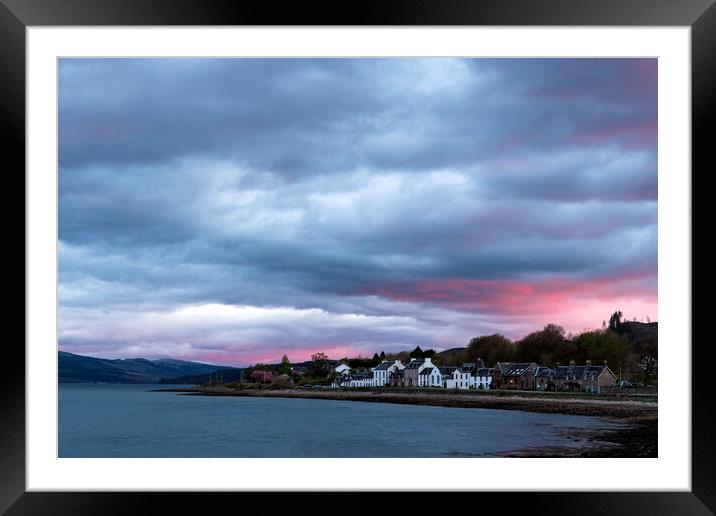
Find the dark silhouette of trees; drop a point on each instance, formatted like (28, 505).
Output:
(601, 346)
(416, 353)
(320, 364)
(541, 346)
(259, 376)
(647, 352)
(419, 353)
(615, 320)
(490, 349)
(285, 366)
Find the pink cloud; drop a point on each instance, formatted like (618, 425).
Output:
(269, 354)
(575, 304)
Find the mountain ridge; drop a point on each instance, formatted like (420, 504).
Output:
(73, 368)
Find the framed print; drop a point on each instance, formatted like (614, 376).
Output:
(410, 249)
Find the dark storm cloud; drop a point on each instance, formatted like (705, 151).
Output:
(343, 190)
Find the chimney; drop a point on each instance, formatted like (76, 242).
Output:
(571, 362)
(589, 362)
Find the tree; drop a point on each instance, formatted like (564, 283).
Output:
(601, 346)
(541, 346)
(319, 358)
(376, 359)
(614, 350)
(416, 353)
(320, 364)
(647, 351)
(261, 376)
(615, 320)
(285, 366)
(490, 349)
(382, 355)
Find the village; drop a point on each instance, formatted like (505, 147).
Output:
(422, 372)
(619, 358)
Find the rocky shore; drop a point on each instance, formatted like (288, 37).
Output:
(637, 439)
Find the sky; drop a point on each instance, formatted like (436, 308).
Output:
(233, 210)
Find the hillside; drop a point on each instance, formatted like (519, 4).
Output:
(83, 369)
(634, 330)
(451, 356)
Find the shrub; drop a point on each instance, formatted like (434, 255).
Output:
(281, 382)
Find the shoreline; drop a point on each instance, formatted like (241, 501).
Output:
(638, 439)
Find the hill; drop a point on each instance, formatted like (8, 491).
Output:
(451, 356)
(83, 369)
(634, 330)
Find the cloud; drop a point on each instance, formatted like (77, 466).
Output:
(378, 201)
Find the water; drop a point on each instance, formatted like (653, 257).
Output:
(130, 421)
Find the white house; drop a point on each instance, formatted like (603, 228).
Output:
(483, 378)
(343, 369)
(459, 379)
(381, 372)
(361, 380)
(354, 380)
(430, 377)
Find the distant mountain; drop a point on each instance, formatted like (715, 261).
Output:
(83, 369)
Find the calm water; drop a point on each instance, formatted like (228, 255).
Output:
(129, 421)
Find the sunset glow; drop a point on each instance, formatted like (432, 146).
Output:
(231, 211)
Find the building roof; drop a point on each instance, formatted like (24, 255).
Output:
(477, 365)
(414, 364)
(446, 370)
(588, 372)
(484, 371)
(384, 365)
(426, 371)
(515, 368)
(542, 372)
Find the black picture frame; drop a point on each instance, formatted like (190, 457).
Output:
(17, 15)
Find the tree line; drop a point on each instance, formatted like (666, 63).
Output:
(620, 345)
(628, 350)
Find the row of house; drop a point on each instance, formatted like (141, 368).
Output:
(527, 376)
(416, 373)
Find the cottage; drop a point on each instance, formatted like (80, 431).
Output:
(340, 381)
(381, 372)
(586, 378)
(446, 374)
(397, 378)
(343, 369)
(514, 375)
(461, 378)
(362, 379)
(430, 377)
(483, 378)
(411, 372)
(543, 379)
